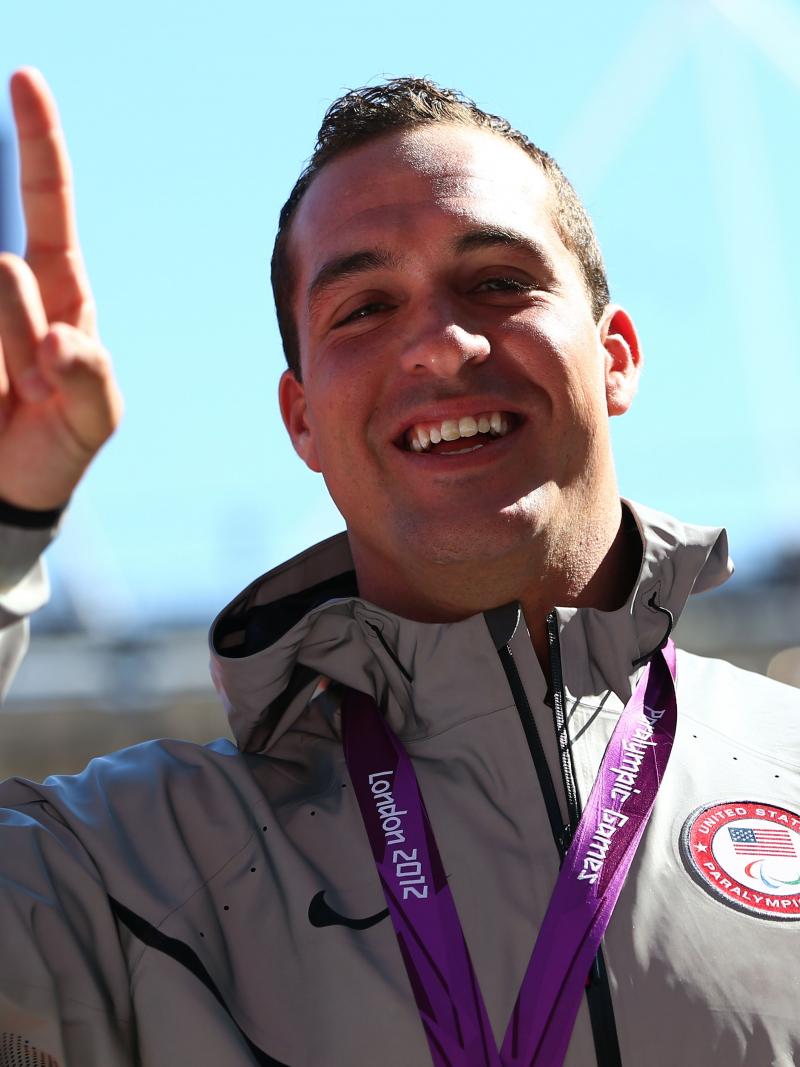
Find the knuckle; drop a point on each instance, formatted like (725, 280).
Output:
(82, 355)
(97, 359)
(64, 339)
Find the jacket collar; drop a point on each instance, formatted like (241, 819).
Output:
(304, 620)
(604, 650)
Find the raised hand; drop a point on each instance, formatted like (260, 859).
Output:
(58, 398)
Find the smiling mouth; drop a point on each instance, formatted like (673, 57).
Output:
(455, 437)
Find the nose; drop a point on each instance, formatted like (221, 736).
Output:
(443, 346)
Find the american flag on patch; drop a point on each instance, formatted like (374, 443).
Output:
(762, 842)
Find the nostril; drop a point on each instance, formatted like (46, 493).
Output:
(444, 351)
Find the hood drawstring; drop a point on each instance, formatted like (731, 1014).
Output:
(390, 651)
(651, 603)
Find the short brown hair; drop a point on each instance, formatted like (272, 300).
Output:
(362, 115)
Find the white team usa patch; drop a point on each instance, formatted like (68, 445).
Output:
(747, 854)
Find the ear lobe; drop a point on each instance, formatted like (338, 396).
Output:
(623, 358)
(292, 401)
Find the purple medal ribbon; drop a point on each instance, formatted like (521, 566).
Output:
(591, 878)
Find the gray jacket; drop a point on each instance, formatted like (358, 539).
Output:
(177, 904)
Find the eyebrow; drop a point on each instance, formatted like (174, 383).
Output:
(494, 236)
(347, 266)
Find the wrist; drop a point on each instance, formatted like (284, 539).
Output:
(28, 518)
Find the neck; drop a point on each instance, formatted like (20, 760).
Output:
(599, 573)
(592, 562)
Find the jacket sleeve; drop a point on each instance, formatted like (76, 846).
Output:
(64, 982)
(23, 589)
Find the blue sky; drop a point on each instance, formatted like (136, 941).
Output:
(677, 122)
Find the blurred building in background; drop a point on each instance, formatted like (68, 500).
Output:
(79, 695)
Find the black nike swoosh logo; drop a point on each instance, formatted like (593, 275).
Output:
(320, 913)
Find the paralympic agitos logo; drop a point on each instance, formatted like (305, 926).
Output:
(747, 854)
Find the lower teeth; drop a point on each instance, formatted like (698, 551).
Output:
(461, 451)
(491, 435)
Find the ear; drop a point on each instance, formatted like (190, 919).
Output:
(623, 358)
(292, 400)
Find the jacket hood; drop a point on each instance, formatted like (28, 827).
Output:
(304, 620)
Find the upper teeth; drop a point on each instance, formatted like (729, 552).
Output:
(424, 434)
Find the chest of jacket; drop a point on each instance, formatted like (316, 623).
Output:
(294, 932)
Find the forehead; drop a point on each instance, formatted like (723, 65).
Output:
(401, 187)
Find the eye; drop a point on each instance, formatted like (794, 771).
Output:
(362, 312)
(504, 285)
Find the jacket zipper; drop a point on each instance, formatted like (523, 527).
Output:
(552, 807)
(598, 994)
(562, 734)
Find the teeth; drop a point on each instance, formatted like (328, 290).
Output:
(420, 437)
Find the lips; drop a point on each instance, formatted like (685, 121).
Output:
(436, 436)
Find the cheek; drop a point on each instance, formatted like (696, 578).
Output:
(339, 408)
(559, 353)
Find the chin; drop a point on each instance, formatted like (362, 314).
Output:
(474, 538)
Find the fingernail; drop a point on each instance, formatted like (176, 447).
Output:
(33, 387)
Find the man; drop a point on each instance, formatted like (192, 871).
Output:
(454, 359)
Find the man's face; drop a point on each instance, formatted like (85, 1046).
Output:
(435, 299)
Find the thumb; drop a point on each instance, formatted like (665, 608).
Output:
(77, 370)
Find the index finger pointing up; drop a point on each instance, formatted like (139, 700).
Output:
(46, 181)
